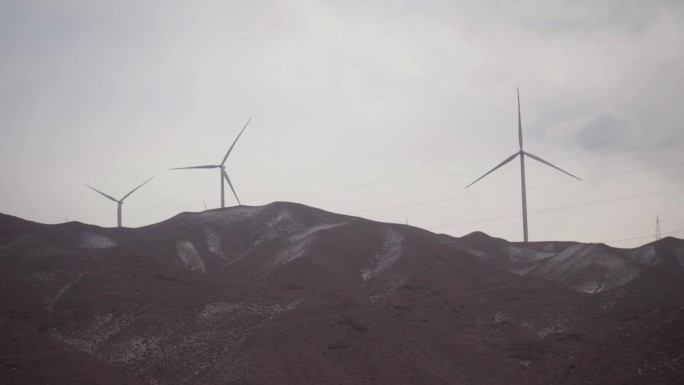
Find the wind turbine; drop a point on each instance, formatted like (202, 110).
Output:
(224, 174)
(121, 201)
(522, 154)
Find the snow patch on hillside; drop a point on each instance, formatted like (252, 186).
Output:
(521, 261)
(297, 244)
(207, 343)
(221, 216)
(188, 254)
(588, 268)
(55, 283)
(565, 260)
(203, 345)
(281, 224)
(214, 314)
(98, 331)
(609, 280)
(514, 259)
(214, 243)
(478, 253)
(91, 240)
(389, 253)
(52, 299)
(543, 328)
(522, 255)
(139, 352)
(309, 231)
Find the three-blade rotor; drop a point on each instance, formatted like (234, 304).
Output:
(522, 153)
(224, 174)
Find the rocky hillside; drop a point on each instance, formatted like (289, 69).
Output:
(288, 294)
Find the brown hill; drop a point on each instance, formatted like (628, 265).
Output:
(285, 293)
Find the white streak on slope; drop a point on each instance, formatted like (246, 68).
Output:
(95, 241)
(389, 253)
(298, 244)
(101, 329)
(189, 256)
(214, 243)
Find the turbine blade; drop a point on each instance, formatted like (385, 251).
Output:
(233, 145)
(520, 139)
(548, 164)
(103, 194)
(510, 158)
(205, 166)
(122, 199)
(225, 175)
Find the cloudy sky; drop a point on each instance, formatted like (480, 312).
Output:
(380, 109)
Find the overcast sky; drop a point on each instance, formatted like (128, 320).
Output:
(380, 109)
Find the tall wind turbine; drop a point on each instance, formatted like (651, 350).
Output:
(522, 154)
(224, 174)
(120, 201)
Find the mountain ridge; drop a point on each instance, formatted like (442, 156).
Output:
(285, 293)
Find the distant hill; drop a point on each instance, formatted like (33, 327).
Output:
(289, 294)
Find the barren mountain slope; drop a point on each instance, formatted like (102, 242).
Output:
(285, 293)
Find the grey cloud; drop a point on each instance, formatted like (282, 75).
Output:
(584, 16)
(604, 129)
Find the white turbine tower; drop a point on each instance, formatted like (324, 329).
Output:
(522, 154)
(224, 174)
(120, 201)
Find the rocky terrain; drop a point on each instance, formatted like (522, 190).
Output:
(288, 294)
